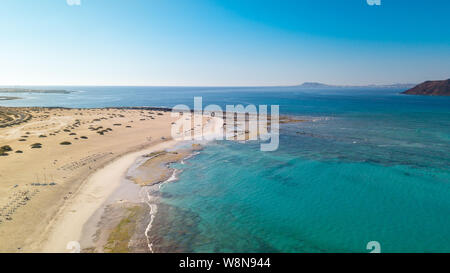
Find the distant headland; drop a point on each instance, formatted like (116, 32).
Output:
(8, 98)
(431, 88)
(318, 85)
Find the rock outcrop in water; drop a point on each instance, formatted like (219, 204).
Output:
(431, 88)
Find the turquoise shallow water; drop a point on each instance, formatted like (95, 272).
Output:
(369, 165)
(289, 202)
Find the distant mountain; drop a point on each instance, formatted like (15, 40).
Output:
(431, 88)
(322, 85)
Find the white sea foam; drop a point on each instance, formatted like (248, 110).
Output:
(147, 191)
(153, 210)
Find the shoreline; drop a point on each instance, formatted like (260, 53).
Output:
(153, 205)
(61, 165)
(78, 219)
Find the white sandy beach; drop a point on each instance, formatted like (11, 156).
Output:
(69, 222)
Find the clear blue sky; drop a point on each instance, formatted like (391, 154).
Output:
(227, 42)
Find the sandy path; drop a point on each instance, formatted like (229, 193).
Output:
(92, 194)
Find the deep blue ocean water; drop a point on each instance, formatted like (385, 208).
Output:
(368, 165)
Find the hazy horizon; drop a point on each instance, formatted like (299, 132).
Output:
(200, 86)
